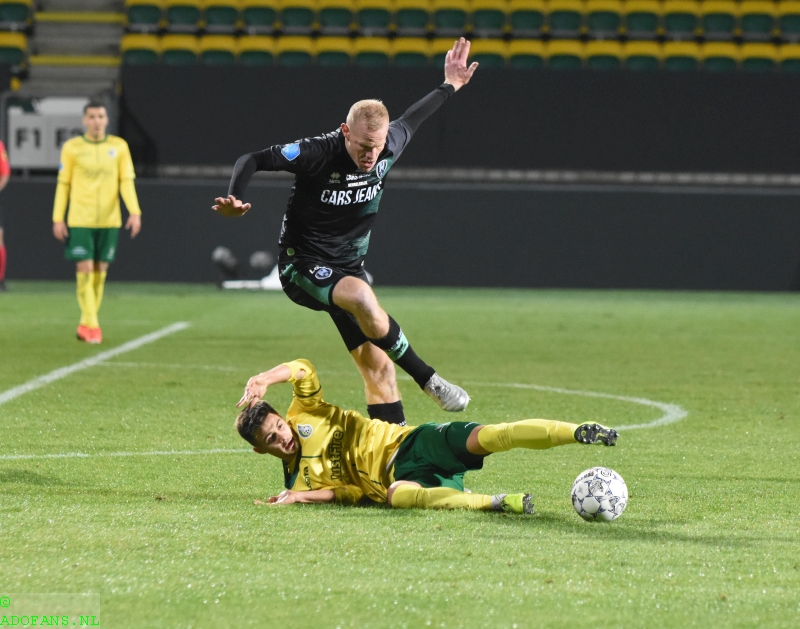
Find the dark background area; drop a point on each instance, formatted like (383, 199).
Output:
(464, 235)
(505, 118)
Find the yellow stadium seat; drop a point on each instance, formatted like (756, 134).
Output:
(179, 49)
(789, 57)
(604, 18)
(218, 50)
(412, 17)
(371, 52)
(297, 16)
(526, 53)
(294, 51)
(259, 16)
(410, 51)
(139, 49)
(183, 16)
(489, 53)
(758, 57)
(681, 19)
(439, 48)
(335, 17)
(757, 20)
(604, 55)
(565, 54)
(14, 49)
(788, 14)
(565, 18)
(374, 17)
(256, 50)
(719, 56)
(450, 17)
(642, 18)
(144, 16)
(718, 19)
(221, 16)
(526, 18)
(334, 51)
(681, 55)
(488, 17)
(642, 55)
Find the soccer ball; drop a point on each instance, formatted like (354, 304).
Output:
(599, 493)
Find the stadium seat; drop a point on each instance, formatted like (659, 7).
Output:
(179, 49)
(183, 16)
(489, 53)
(681, 55)
(488, 17)
(564, 54)
(218, 50)
(13, 49)
(604, 55)
(450, 17)
(565, 18)
(756, 20)
(15, 14)
(334, 51)
(294, 51)
(297, 16)
(439, 48)
(526, 17)
(335, 17)
(604, 18)
(256, 50)
(259, 16)
(144, 16)
(681, 19)
(371, 52)
(718, 19)
(759, 57)
(374, 17)
(526, 53)
(139, 49)
(412, 17)
(221, 16)
(410, 52)
(789, 20)
(719, 56)
(789, 57)
(641, 55)
(642, 18)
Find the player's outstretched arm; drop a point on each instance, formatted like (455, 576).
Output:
(289, 497)
(256, 387)
(456, 71)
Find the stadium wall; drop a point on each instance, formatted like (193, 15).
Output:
(460, 235)
(506, 118)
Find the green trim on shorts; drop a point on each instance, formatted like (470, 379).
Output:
(91, 243)
(321, 294)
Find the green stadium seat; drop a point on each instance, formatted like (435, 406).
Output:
(488, 17)
(526, 18)
(565, 18)
(335, 17)
(439, 48)
(256, 50)
(681, 19)
(183, 16)
(218, 50)
(374, 17)
(604, 18)
(489, 53)
(681, 56)
(15, 14)
(718, 19)
(334, 51)
(297, 16)
(756, 20)
(139, 49)
(412, 17)
(144, 16)
(179, 50)
(604, 55)
(294, 51)
(450, 17)
(221, 16)
(526, 54)
(719, 56)
(408, 52)
(371, 52)
(642, 18)
(759, 57)
(259, 16)
(789, 57)
(641, 55)
(789, 20)
(564, 54)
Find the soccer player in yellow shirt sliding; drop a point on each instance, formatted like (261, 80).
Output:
(95, 169)
(334, 455)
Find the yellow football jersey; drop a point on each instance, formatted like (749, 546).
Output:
(92, 175)
(339, 450)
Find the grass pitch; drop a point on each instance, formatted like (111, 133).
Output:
(709, 539)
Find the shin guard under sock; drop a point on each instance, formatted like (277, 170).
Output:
(86, 299)
(99, 283)
(535, 434)
(391, 412)
(410, 497)
(398, 349)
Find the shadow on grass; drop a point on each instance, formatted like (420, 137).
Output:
(27, 477)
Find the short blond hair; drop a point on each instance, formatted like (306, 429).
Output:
(372, 112)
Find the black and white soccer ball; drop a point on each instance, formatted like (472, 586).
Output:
(599, 494)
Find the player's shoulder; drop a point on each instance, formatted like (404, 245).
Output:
(73, 143)
(325, 142)
(115, 140)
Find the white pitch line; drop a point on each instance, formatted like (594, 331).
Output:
(672, 412)
(63, 372)
(83, 455)
(171, 366)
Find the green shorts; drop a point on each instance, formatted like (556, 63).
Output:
(435, 455)
(87, 243)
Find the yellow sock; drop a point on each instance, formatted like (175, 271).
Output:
(410, 497)
(86, 299)
(535, 434)
(99, 282)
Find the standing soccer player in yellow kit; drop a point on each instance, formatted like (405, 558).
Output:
(95, 169)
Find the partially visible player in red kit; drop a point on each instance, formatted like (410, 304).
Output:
(5, 173)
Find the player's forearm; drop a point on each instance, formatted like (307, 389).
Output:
(316, 496)
(60, 203)
(247, 166)
(128, 191)
(415, 115)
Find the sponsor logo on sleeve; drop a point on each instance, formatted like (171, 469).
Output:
(381, 168)
(305, 430)
(291, 151)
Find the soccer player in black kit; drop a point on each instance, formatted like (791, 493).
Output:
(339, 180)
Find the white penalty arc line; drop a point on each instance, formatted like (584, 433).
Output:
(63, 372)
(672, 412)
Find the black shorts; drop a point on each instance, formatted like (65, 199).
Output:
(310, 283)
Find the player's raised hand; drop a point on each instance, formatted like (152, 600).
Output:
(230, 206)
(456, 72)
(254, 390)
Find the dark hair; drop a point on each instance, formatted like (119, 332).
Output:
(94, 104)
(250, 420)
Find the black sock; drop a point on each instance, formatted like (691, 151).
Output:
(391, 412)
(399, 350)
